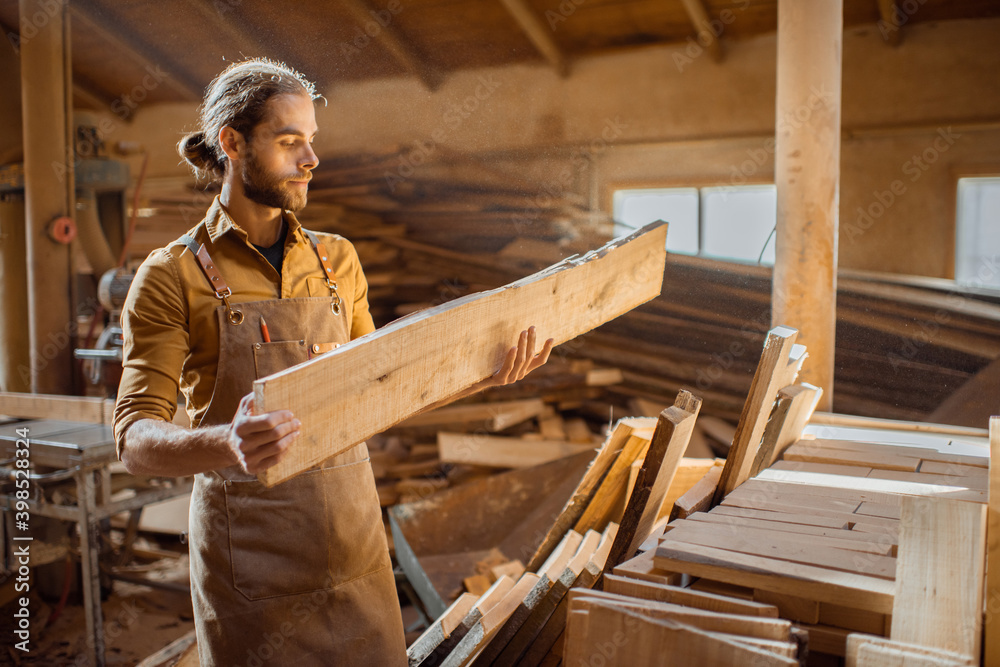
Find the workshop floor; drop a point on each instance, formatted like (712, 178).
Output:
(138, 621)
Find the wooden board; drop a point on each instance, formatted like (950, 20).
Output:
(872, 484)
(588, 484)
(66, 408)
(366, 386)
(686, 597)
(897, 653)
(499, 452)
(939, 587)
(641, 567)
(659, 465)
(609, 495)
(843, 588)
(636, 639)
(795, 405)
(771, 375)
(497, 415)
(814, 451)
(699, 497)
(440, 629)
(992, 646)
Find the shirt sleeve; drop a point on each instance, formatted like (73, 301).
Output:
(361, 320)
(154, 321)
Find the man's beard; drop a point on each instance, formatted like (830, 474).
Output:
(269, 189)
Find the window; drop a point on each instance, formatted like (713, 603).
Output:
(731, 223)
(977, 231)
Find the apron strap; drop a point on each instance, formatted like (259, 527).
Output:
(215, 279)
(324, 260)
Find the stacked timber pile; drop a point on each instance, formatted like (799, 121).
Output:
(848, 538)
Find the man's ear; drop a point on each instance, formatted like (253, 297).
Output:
(232, 142)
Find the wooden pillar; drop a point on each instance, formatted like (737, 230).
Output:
(807, 176)
(13, 285)
(46, 108)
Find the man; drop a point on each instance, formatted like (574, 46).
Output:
(298, 573)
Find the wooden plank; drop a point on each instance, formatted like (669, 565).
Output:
(699, 497)
(685, 596)
(915, 451)
(498, 415)
(939, 590)
(501, 452)
(854, 421)
(791, 607)
(659, 465)
(780, 489)
(849, 618)
(555, 626)
(771, 375)
(690, 471)
(639, 640)
(711, 621)
(767, 531)
(942, 468)
(829, 468)
(641, 567)
(440, 629)
(492, 620)
(992, 592)
(883, 537)
(544, 608)
(791, 414)
(878, 485)
(870, 655)
(814, 451)
(783, 521)
(602, 507)
(380, 379)
(843, 588)
(486, 601)
(817, 551)
(80, 409)
(825, 639)
(595, 472)
(977, 483)
(856, 641)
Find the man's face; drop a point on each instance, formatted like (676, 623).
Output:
(279, 157)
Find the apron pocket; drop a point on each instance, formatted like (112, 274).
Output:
(316, 531)
(270, 358)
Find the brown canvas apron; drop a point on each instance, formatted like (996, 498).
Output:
(296, 574)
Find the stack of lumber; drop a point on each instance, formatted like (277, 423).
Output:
(613, 505)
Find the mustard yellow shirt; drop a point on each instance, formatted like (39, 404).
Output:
(171, 334)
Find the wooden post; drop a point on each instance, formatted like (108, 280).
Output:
(46, 107)
(807, 176)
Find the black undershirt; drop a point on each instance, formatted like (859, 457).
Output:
(275, 254)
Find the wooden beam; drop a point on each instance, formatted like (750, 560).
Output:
(501, 452)
(777, 363)
(791, 414)
(939, 582)
(992, 648)
(659, 465)
(807, 176)
(395, 372)
(889, 22)
(395, 43)
(703, 28)
(85, 410)
(539, 35)
(47, 113)
(137, 52)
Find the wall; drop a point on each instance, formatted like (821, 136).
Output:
(674, 117)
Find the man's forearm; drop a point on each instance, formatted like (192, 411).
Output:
(154, 447)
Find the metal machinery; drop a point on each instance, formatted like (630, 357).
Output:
(72, 463)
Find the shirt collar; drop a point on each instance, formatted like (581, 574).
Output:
(218, 222)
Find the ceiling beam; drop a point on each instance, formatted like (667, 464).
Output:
(538, 34)
(703, 27)
(395, 43)
(889, 25)
(136, 51)
(83, 90)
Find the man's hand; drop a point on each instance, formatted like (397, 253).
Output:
(520, 361)
(261, 441)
